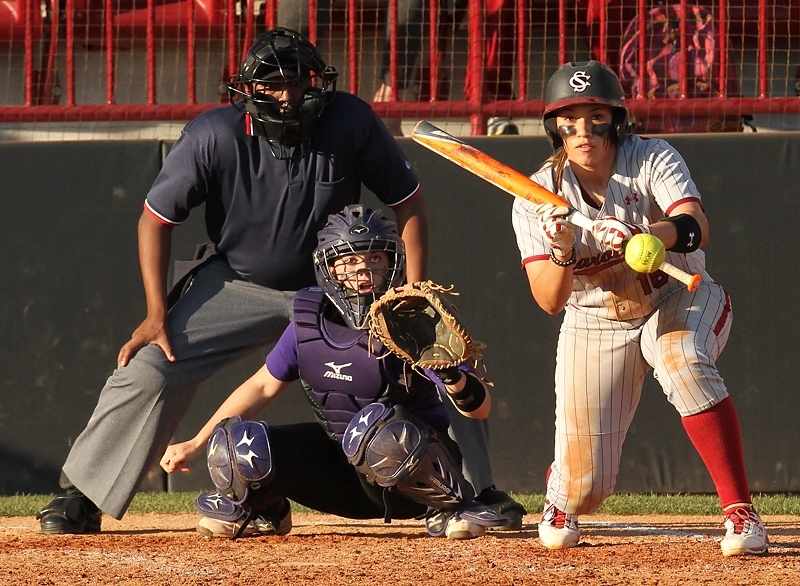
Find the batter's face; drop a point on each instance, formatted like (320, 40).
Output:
(364, 272)
(585, 130)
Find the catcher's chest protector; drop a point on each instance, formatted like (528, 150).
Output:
(335, 362)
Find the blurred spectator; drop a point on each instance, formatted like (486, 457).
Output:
(412, 36)
(618, 14)
(499, 51)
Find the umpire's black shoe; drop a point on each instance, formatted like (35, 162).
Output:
(72, 513)
(500, 502)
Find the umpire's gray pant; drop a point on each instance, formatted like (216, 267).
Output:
(219, 319)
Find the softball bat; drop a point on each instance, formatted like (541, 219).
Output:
(513, 182)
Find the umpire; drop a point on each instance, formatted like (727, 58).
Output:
(270, 168)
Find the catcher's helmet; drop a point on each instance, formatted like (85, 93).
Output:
(587, 82)
(283, 55)
(358, 229)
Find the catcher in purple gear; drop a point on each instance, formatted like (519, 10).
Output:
(380, 448)
(619, 324)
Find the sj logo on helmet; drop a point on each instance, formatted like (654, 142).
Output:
(579, 81)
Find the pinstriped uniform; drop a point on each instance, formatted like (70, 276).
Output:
(619, 324)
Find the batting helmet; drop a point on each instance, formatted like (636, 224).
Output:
(283, 56)
(587, 82)
(354, 230)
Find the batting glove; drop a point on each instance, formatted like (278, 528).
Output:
(612, 234)
(558, 232)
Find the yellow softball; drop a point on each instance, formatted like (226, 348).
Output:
(644, 253)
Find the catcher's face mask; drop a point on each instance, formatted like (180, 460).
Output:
(363, 273)
(355, 279)
(360, 256)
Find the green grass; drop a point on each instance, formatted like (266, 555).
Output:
(621, 504)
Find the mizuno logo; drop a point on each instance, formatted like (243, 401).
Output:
(336, 371)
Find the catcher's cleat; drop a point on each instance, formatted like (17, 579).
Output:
(259, 526)
(745, 535)
(468, 522)
(500, 502)
(557, 529)
(458, 528)
(70, 514)
(452, 526)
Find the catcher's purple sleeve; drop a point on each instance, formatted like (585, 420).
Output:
(282, 360)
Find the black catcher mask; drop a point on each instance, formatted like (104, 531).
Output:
(280, 57)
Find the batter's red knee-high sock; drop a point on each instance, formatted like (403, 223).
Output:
(716, 437)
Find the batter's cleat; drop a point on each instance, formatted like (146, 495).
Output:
(557, 529)
(745, 535)
(70, 514)
(261, 525)
(500, 502)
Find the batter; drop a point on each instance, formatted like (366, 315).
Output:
(619, 324)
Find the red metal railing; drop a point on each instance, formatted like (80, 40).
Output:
(235, 25)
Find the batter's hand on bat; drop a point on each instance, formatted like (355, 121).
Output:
(150, 331)
(612, 234)
(557, 231)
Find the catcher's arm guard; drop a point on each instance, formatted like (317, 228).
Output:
(470, 396)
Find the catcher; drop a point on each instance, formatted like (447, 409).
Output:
(379, 448)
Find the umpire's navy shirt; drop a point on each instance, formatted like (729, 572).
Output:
(263, 213)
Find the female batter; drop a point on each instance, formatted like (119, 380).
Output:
(618, 324)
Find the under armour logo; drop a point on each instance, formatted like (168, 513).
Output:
(359, 229)
(579, 81)
(629, 199)
(691, 239)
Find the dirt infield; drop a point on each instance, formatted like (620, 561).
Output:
(164, 550)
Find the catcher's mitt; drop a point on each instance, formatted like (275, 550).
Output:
(418, 324)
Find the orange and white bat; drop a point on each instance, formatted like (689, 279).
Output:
(514, 182)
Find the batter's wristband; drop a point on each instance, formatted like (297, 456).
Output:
(563, 263)
(689, 233)
(470, 397)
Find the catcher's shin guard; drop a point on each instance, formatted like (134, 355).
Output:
(239, 457)
(392, 447)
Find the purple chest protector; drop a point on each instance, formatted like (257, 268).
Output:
(339, 373)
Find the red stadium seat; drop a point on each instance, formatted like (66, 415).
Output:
(171, 19)
(12, 20)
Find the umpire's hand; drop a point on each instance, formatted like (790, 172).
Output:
(150, 331)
